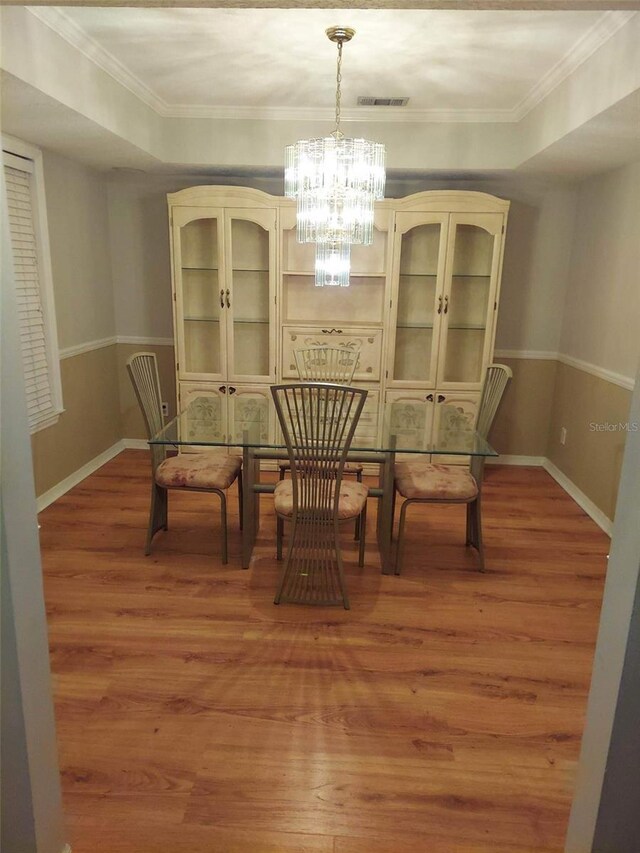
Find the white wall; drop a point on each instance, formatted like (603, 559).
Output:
(80, 252)
(536, 258)
(601, 322)
(536, 266)
(139, 245)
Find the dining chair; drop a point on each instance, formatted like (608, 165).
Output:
(325, 363)
(424, 482)
(318, 421)
(211, 471)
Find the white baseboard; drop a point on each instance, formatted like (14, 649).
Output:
(135, 444)
(508, 459)
(141, 444)
(78, 476)
(579, 497)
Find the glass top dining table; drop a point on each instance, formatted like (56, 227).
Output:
(387, 428)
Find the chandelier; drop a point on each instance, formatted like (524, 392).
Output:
(335, 180)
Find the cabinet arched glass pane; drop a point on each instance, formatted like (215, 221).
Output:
(200, 295)
(416, 303)
(467, 307)
(250, 279)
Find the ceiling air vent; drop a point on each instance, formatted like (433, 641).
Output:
(364, 101)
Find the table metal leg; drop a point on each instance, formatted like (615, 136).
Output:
(385, 514)
(248, 508)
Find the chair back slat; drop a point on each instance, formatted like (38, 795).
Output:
(495, 383)
(143, 372)
(318, 421)
(327, 364)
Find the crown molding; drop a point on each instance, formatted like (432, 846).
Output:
(606, 27)
(384, 115)
(61, 24)
(64, 26)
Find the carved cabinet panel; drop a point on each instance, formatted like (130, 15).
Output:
(368, 342)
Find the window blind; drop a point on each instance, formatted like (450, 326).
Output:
(33, 336)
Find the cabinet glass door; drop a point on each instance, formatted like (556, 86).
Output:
(249, 293)
(199, 318)
(469, 301)
(418, 299)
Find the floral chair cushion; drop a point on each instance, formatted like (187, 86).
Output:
(198, 471)
(427, 481)
(353, 497)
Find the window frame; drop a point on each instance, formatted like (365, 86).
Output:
(23, 150)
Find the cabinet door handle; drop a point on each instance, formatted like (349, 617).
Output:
(232, 390)
(439, 304)
(332, 331)
(446, 304)
(222, 298)
(429, 397)
(223, 389)
(227, 292)
(441, 398)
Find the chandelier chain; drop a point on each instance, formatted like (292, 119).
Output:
(338, 92)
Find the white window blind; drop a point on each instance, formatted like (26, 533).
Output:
(33, 331)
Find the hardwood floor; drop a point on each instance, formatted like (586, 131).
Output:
(443, 712)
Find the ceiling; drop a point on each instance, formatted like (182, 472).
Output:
(185, 80)
(455, 63)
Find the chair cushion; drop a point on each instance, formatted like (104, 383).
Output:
(435, 482)
(198, 471)
(353, 497)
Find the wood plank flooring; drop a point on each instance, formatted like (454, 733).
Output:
(443, 712)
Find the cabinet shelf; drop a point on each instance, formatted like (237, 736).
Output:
(308, 274)
(259, 322)
(249, 269)
(418, 275)
(200, 269)
(467, 327)
(415, 326)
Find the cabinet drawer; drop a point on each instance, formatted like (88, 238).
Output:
(368, 342)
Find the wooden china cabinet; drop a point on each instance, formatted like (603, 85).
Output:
(421, 307)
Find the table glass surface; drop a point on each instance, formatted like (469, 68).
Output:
(401, 429)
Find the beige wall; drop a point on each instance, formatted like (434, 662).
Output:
(590, 458)
(522, 425)
(601, 326)
(89, 424)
